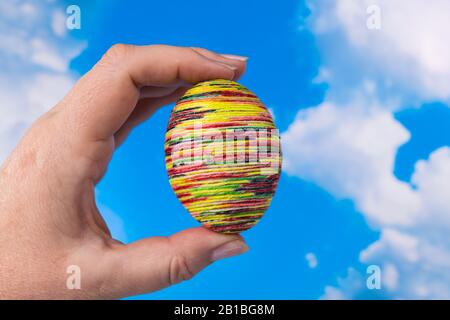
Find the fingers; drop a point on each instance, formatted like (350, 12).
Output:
(156, 92)
(155, 263)
(240, 61)
(106, 96)
(143, 110)
(168, 94)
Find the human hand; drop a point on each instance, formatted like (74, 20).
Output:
(48, 216)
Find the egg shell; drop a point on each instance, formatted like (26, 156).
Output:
(223, 155)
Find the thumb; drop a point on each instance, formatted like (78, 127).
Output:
(155, 263)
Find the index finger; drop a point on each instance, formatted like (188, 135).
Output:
(104, 98)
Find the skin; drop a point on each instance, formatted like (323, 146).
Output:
(48, 216)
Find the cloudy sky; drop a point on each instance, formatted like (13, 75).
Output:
(365, 121)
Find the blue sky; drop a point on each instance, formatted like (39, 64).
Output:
(355, 122)
(303, 218)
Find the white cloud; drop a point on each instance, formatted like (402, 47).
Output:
(390, 276)
(34, 65)
(405, 247)
(350, 151)
(416, 264)
(407, 58)
(43, 54)
(348, 144)
(333, 293)
(22, 100)
(346, 287)
(311, 259)
(432, 179)
(354, 283)
(59, 23)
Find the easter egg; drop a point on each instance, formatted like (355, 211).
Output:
(223, 155)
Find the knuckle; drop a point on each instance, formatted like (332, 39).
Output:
(179, 270)
(201, 51)
(194, 51)
(117, 52)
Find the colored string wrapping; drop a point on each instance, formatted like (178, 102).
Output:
(217, 144)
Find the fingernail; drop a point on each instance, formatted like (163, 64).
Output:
(234, 57)
(229, 66)
(229, 249)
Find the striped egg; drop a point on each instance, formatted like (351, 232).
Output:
(223, 155)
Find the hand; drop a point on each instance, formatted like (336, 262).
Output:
(48, 216)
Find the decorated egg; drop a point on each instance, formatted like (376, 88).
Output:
(223, 155)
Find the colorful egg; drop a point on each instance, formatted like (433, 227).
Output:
(223, 155)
